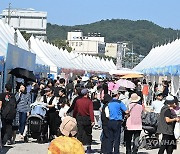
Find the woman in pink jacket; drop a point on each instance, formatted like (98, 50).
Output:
(134, 124)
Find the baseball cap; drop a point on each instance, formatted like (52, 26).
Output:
(84, 91)
(158, 93)
(68, 126)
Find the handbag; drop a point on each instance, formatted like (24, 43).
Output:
(177, 130)
(127, 116)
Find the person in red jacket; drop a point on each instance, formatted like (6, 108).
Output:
(83, 112)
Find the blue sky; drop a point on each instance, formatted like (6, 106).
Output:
(75, 12)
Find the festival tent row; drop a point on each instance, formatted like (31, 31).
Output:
(49, 55)
(163, 60)
(8, 35)
(59, 59)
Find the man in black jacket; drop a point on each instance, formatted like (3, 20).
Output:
(8, 111)
(166, 126)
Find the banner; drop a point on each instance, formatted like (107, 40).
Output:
(17, 57)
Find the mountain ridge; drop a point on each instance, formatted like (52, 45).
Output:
(142, 33)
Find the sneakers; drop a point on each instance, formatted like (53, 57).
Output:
(9, 142)
(21, 136)
(89, 150)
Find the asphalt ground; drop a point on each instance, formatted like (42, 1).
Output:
(32, 147)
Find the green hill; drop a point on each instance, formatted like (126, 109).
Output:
(142, 33)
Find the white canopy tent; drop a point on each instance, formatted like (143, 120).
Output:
(7, 36)
(163, 60)
(50, 55)
(162, 56)
(59, 58)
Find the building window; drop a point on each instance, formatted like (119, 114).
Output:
(42, 22)
(72, 43)
(76, 43)
(80, 43)
(19, 21)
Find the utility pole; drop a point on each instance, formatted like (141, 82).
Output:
(9, 13)
(132, 60)
(119, 55)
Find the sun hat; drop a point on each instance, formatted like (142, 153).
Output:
(170, 100)
(68, 126)
(134, 98)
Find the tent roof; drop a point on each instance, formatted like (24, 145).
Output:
(162, 56)
(7, 36)
(54, 56)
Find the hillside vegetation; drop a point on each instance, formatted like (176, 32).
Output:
(144, 34)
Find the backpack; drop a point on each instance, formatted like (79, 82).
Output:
(9, 110)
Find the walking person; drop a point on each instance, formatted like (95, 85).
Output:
(166, 126)
(145, 91)
(51, 102)
(23, 107)
(66, 143)
(133, 124)
(70, 89)
(104, 119)
(97, 112)
(83, 112)
(157, 105)
(115, 110)
(8, 112)
(150, 93)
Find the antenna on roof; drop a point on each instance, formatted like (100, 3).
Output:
(9, 13)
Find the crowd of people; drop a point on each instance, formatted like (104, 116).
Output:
(76, 107)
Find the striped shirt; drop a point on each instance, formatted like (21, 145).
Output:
(24, 101)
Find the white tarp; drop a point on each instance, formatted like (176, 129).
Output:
(7, 36)
(164, 55)
(55, 57)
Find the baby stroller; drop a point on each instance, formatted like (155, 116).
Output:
(149, 124)
(37, 127)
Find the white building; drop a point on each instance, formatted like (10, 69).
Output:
(111, 49)
(27, 20)
(91, 44)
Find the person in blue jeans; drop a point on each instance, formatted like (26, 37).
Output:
(114, 111)
(23, 107)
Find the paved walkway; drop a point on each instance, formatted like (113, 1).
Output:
(34, 148)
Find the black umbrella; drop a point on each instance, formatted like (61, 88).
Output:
(23, 73)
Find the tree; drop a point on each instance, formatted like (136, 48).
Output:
(62, 44)
(26, 35)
